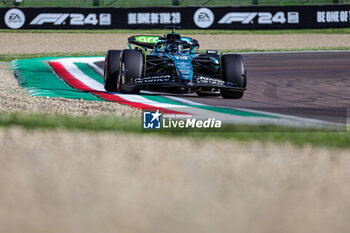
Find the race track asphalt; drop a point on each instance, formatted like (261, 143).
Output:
(307, 84)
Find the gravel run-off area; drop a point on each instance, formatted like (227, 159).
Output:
(61, 181)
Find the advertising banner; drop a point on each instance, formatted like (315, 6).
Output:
(231, 17)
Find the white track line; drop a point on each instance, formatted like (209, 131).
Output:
(278, 115)
(184, 101)
(78, 74)
(97, 68)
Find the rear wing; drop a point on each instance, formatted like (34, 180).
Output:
(144, 41)
(148, 41)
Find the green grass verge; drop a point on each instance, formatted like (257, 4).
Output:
(47, 121)
(192, 31)
(11, 57)
(133, 125)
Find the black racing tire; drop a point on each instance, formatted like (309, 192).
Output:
(112, 70)
(132, 66)
(233, 70)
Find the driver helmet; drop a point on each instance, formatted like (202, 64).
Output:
(171, 48)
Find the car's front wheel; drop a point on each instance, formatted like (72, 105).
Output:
(233, 71)
(131, 67)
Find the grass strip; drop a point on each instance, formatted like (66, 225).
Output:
(57, 121)
(189, 31)
(264, 133)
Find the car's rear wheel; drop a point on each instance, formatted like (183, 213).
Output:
(233, 71)
(132, 67)
(112, 70)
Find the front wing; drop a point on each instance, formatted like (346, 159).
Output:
(171, 81)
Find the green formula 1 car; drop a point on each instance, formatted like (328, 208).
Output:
(170, 63)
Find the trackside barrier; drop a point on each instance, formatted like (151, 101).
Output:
(231, 17)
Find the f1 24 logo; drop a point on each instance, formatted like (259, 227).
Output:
(74, 19)
(263, 17)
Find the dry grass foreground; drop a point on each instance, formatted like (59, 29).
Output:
(17, 43)
(100, 182)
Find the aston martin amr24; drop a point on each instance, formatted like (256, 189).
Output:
(171, 63)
